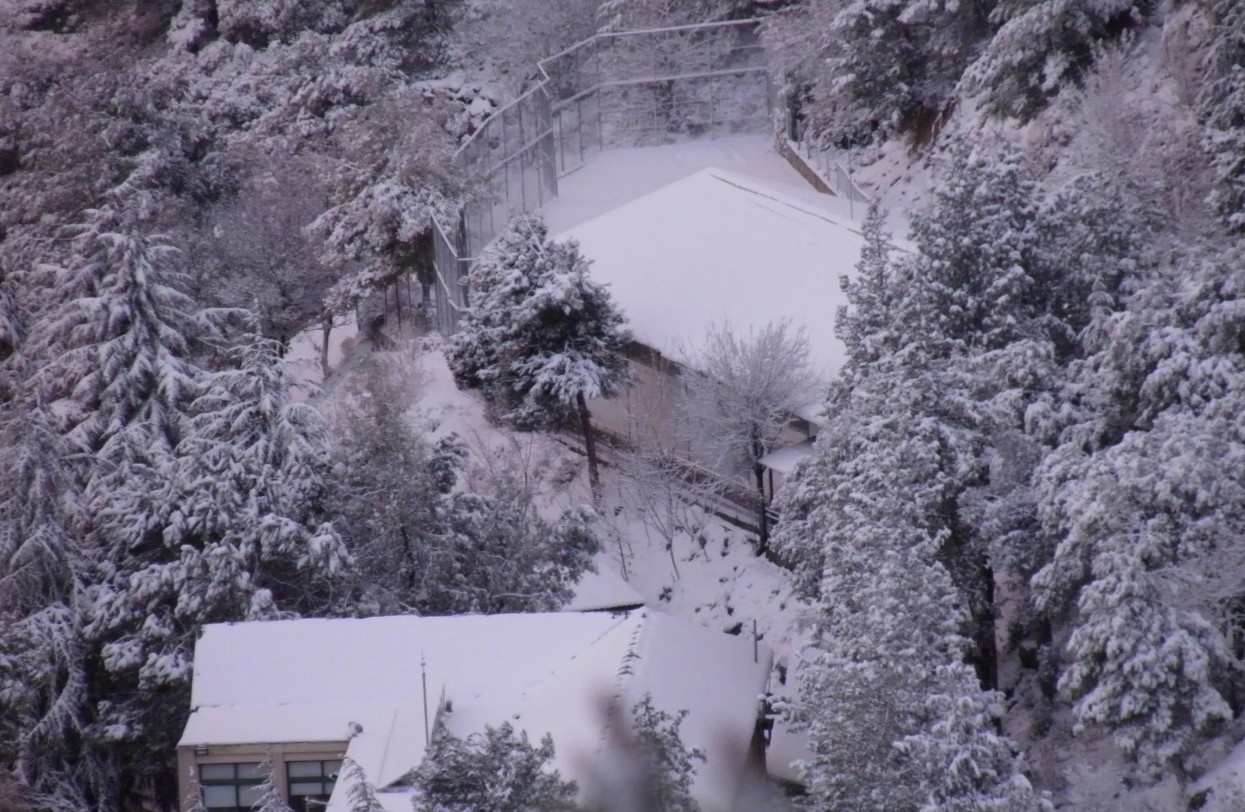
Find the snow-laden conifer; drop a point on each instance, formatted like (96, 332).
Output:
(540, 338)
(1143, 495)
(496, 770)
(1041, 47)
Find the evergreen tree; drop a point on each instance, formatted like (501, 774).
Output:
(896, 718)
(855, 92)
(540, 337)
(1221, 106)
(1043, 46)
(434, 528)
(1143, 497)
(867, 325)
(496, 770)
(668, 766)
(269, 794)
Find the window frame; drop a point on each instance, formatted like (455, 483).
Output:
(327, 779)
(235, 781)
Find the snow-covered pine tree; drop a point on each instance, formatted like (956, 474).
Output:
(856, 92)
(1042, 46)
(269, 794)
(495, 770)
(896, 717)
(396, 179)
(111, 360)
(45, 695)
(1221, 106)
(867, 325)
(1146, 502)
(236, 528)
(540, 338)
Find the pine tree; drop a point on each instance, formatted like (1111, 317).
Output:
(495, 770)
(1221, 106)
(1042, 46)
(668, 767)
(858, 93)
(1145, 501)
(540, 337)
(896, 718)
(866, 326)
(269, 794)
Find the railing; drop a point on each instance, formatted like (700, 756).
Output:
(632, 88)
(836, 176)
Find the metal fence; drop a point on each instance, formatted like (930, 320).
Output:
(626, 89)
(833, 173)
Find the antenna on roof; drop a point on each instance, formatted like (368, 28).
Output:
(423, 674)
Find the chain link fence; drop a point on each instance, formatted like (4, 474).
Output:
(616, 90)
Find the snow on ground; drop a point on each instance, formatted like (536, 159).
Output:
(709, 573)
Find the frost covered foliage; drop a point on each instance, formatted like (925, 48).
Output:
(1044, 46)
(184, 494)
(433, 529)
(495, 770)
(664, 768)
(539, 338)
(897, 719)
(270, 798)
(919, 489)
(1221, 105)
(741, 393)
(254, 253)
(630, 15)
(1144, 493)
(393, 178)
(853, 89)
(516, 34)
(864, 70)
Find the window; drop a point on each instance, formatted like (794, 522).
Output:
(311, 783)
(230, 787)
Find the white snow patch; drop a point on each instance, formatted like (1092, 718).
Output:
(360, 680)
(720, 246)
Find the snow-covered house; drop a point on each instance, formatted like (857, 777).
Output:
(719, 246)
(309, 693)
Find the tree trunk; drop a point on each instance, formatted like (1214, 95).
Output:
(590, 448)
(758, 471)
(327, 328)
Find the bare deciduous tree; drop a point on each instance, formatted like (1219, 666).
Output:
(260, 256)
(742, 391)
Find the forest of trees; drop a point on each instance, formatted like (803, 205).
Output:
(1034, 457)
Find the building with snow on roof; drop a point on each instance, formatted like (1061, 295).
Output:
(308, 694)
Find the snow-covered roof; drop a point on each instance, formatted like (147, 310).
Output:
(720, 246)
(601, 590)
(360, 680)
(783, 460)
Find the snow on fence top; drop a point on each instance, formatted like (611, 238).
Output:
(359, 681)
